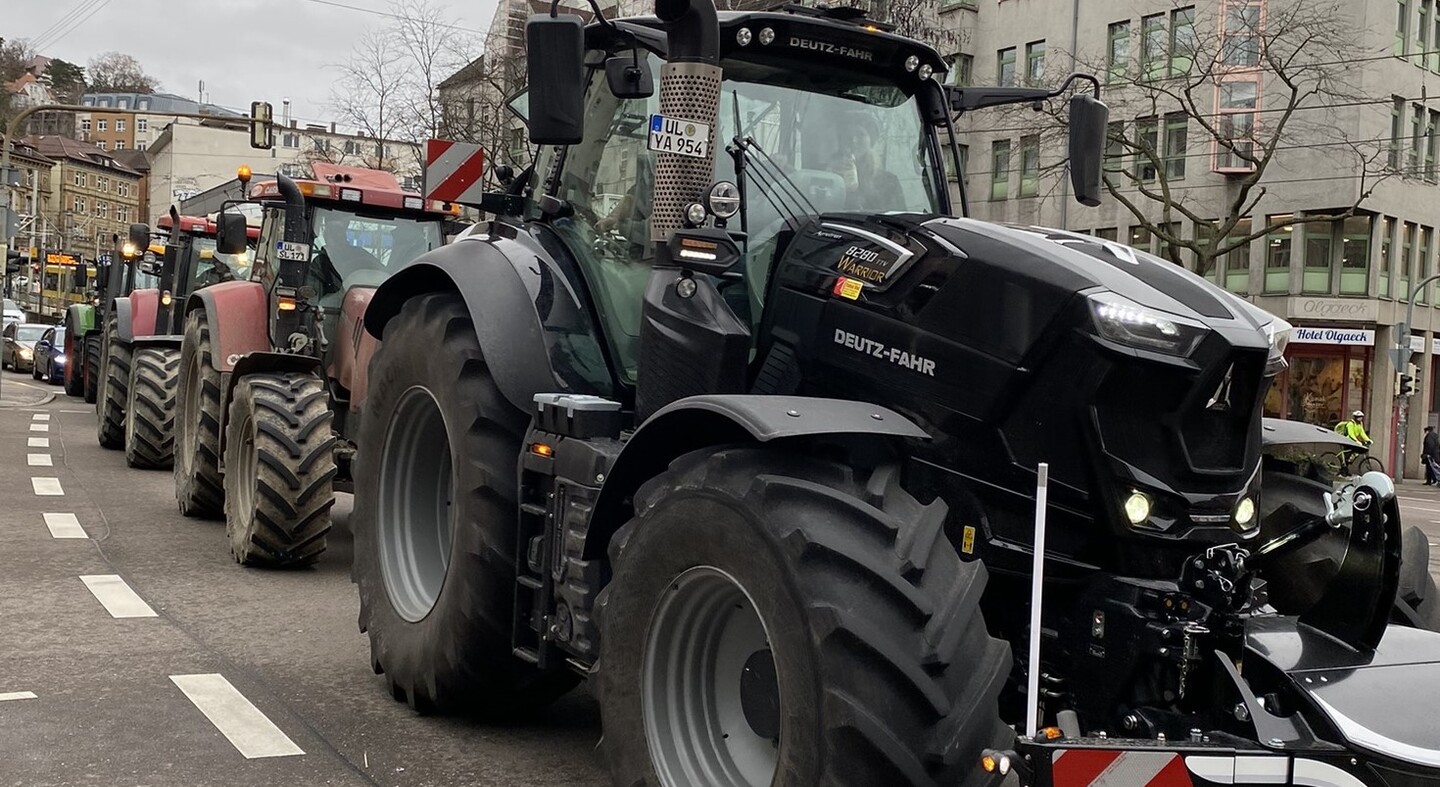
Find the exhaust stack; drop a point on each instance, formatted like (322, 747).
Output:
(689, 90)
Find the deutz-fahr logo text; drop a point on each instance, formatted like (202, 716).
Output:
(854, 53)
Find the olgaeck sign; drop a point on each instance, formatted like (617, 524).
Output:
(1342, 309)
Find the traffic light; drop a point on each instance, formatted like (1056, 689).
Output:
(1405, 381)
(262, 134)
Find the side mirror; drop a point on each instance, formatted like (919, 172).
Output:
(136, 241)
(230, 233)
(555, 59)
(1088, 122)
(628, 76)
(42, 345)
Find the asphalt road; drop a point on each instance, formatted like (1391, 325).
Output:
(134, 651)
(135, 699)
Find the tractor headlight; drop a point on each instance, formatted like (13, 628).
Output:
(1245, 513)
(695, 214)
(1126, 322)
(1278, 332)
(1137, 507)
(724, 199)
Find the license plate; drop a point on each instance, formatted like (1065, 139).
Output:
(290, 251)
(679, 136)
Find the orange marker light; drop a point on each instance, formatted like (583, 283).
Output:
(541, 449)
(243, 173)
(286, 305)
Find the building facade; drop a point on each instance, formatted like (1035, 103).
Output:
(28, 197)
(93, 197)
(134, 121)
(1193, 107)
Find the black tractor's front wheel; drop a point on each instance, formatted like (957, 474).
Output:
(778, 620)
(199, 489)
(279, 470)
(150, 408)
(115, 361)
(435, 518)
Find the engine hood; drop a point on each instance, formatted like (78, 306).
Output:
(1084, 263)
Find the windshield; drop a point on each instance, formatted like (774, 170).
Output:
(844, 141)
(352, 249)
(203, 259)
(59, 337)
(29, 333)
(11, 306)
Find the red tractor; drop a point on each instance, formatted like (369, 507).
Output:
(140, 366)
(272, 369)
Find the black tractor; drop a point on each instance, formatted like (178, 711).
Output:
(730, 413)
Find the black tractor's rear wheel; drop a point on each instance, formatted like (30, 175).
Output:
(115, 361)
(435, 518)
(90, 373)
(199, 489)
(279, 470)
(778, 620)
(150, 408)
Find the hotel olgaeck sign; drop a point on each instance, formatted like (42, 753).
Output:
(1334, 309)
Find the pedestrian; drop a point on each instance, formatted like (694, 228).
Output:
(1430, 455)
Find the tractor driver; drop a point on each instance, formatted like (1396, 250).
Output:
(337, 259)
(867, 185)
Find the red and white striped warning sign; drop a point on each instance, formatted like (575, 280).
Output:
(454, 171)
(1081, 767)
(1111, 768)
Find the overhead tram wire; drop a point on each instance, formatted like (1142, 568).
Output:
(39, 39)
(94, 9)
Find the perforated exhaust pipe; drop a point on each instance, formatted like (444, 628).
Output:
(689, 90)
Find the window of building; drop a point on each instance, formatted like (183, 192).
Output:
(101, 144)
(1000, 169)
(1387, 241)
(1240, 47)
(1422, 261)
(122, 214)
(122, 188)
(1432, 145)
(1354, 234)
(1108, 233)
(142, 104)
(1238, 101)
(142, 124)
(1416, 147)
(119, 144)
(84, 124)
(80, 178)
(1407, 260)
(290, 139)
(961, 165)
(1402, 27)
(102, 125)
(102, 209)
(1397, 129)
(1118, 56)
(946, 5)
(962, 67)
(1035, 62)
(1432, 59)
(79, 205)
(1148, 152)
(1182, 40)
(1164, 247)
(1141, 238)
(1153, 41)
(1005, 68)
(119, 124)
(102, 183)
(321, 144)
(123, 103)
(1237, 260)
(1204, 260)
(352, 147)
(1177, 128)
(1029, 166)
(1115, 147)
(1277, 252)
(141, 145)
(1422, 34)
(1319, 250)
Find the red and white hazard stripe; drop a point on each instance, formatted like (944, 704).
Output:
(453, 171)
(1128, 768)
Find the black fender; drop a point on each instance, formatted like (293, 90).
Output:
(122, 309)
(537, 334)
(159, 340)
(726, 419)
(259, 363)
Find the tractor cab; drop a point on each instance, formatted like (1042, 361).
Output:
(190, 259)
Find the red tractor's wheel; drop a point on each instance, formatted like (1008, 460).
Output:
(199, 488)
(150, 408)
(115, 359)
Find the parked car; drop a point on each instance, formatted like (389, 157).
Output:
(19, 351)
(13, 313)
(50, 356)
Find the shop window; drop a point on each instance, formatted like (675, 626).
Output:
(1387, 240)
(1237, 261)
(1355, 256)
(1277, 253)
(1321, 386)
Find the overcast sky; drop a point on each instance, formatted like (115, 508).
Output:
(243, 50)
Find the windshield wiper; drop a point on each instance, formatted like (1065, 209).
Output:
(777, 187)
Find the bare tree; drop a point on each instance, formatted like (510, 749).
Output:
(1260, 96)
(434, 49)
(116, 72)
(370, 93)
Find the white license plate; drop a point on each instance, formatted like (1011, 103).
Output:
(679, 136)
(291, 251)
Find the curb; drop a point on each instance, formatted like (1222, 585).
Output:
(41, 402)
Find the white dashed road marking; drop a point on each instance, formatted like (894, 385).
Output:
(38, 442)
(17, 695)
(47, 486)
(39, 427)
(38, 460)
(64, 526)
(40, 417)
(248, 730)
(117, 597)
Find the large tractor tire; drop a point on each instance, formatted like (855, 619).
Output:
(435, 517)
(91, 368)
(150, 408)
(199, 488)
(74, 367)
(1417, 589)
(279, 470)
(114, 371)
(774, 619)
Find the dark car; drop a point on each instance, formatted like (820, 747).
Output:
(50, 357)
(20, 338)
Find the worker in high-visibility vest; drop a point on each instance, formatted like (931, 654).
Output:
(1354, 428)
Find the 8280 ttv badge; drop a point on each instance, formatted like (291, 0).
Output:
(867, 263)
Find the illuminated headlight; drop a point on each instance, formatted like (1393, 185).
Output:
(695, 214)
(767, 36)
(59, 359)
(724, 199)
(1126, 322)
(924, 72)
(743, 36)
(911, 63)
(1137, 507)
(26, 354)
(1278, 332)
(1245, 513)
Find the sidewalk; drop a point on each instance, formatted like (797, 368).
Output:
(15, 392)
